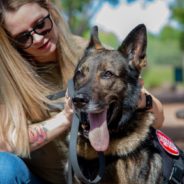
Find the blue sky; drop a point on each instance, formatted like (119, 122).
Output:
(123, 18)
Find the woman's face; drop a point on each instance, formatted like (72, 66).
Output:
(30, 16)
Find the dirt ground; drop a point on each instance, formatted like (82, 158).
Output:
(173, 126)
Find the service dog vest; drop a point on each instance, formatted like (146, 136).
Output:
(172, 156)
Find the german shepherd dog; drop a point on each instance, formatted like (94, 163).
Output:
(107, 90)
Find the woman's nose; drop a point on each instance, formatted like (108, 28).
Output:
(37, 38)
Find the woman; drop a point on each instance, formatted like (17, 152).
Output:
(37, 57)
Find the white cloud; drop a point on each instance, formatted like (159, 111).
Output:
(122, 19)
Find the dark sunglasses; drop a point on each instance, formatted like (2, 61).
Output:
(42, 27)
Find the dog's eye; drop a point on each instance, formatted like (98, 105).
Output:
(107, 74)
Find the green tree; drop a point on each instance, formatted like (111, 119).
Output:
(80, 12)
(178, 15)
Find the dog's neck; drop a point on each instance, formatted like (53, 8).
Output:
(125, 145)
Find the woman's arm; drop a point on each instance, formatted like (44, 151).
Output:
(44, 132)
(156, 109)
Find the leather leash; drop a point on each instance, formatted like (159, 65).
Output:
(73, 166)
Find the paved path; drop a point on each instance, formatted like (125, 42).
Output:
(173, 126)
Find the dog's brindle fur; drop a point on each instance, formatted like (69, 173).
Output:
(110, 79)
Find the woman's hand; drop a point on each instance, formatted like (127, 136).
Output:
(156, 109)
(68, 109)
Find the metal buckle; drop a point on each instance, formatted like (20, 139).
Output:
(176, 174)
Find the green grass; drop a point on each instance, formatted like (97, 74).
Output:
(157, 75)
(163, 57)
(164, 52)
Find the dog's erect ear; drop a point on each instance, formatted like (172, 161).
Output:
(134, 47)
(94, 40)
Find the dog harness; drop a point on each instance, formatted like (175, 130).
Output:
(172, 157)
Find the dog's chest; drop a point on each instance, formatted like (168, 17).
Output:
(134, 169)
(141, 166)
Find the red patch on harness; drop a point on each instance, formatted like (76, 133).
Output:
(167, 143)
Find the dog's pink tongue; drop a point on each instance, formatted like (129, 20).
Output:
(98, 134)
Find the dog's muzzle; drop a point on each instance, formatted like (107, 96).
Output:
(80, 100)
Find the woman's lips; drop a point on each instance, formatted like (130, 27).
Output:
(44, 46)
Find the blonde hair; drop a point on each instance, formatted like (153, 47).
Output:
(21, 89)
(67, 51)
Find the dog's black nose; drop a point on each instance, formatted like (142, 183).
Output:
(80, 100)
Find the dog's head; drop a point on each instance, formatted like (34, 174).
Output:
(106, 84)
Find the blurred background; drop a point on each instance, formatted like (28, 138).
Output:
(164, 19)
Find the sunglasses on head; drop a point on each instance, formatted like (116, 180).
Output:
(42, 27)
